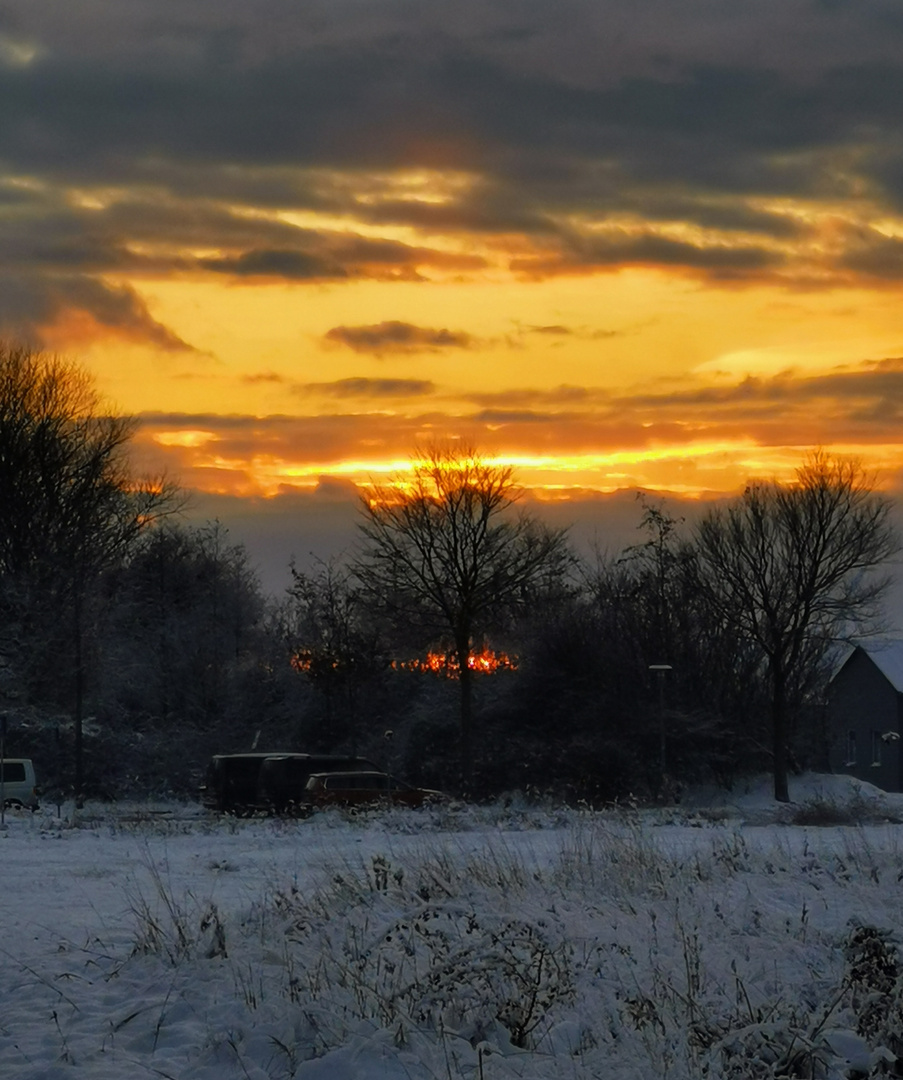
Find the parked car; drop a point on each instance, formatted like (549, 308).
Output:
(282, 782)
(230, 784)
(360, 788)
(19, 783)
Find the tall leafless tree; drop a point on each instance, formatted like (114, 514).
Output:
(446, 546)
(70, 507)
(793, 567)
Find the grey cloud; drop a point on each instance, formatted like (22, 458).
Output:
(553, 331)
(623, 248)
(880, 258)
(522, 192)
(558, 330)
(156, 215)
(371, 388)
(374, 103)
(53, 249)
(119, 308)
(364, 251)
(838, 400)
(511, 416)
(54, 233)
(661, 250)
(398, 337)
(264, 377)
(865, 385)
(333, 488)
(279, 111)
(29, 303)
(878, 382)
(275, 263)
(714, 213)
(13, 197)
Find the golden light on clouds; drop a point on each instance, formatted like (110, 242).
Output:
(300, 256)
(695, 469)
(187, 439)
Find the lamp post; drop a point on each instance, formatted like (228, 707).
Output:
(660, 670)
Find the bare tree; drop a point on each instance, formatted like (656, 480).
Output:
(70, 506)
(792, 568)
(446, 547)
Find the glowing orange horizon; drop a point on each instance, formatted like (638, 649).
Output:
(690, 470)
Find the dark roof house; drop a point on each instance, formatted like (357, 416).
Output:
(865, 714)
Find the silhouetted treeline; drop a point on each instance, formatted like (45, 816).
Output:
(185, 657)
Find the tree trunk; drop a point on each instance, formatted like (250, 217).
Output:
(779, 732)
(465, 681)
(79, 700)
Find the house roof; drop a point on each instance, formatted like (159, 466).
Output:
(887, 656)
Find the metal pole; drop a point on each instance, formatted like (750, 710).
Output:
(3, 772)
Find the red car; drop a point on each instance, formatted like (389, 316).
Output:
(359, 788)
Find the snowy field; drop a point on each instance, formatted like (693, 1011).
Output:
(727, 938)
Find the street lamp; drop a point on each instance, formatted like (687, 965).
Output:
(660, 670)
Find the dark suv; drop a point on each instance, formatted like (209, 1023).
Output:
(230, 785)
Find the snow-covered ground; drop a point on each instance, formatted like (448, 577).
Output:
(721, 939)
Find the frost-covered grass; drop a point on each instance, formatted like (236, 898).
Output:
(484, 943)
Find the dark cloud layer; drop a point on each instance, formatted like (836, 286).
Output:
(133, 136)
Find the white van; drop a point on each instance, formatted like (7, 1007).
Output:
(19, 787)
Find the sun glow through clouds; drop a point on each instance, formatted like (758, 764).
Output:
(610, 253)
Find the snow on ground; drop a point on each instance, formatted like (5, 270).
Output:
(722, 938)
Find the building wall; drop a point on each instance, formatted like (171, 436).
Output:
(861, 701)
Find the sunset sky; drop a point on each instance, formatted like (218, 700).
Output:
(652, 244)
